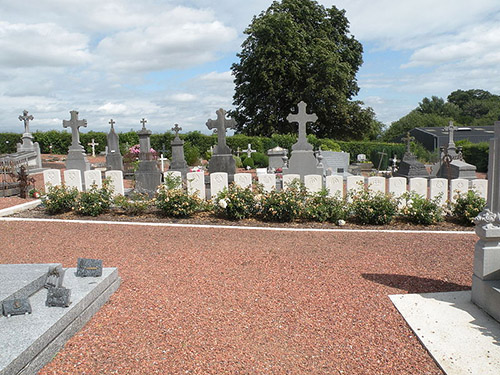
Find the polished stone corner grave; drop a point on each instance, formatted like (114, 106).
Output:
(29, 342)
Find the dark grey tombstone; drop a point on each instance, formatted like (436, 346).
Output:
(178, 162)
(148, 175)
(89, 267)
(58, 297)
(303, 160)
(27, 145)
(55, 277)
(18, 306)
(76, 154)
(222, 158)
(410, 166)
(114, 159)
(276, 157)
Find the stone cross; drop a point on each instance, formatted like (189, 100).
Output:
(451, 129)
(249, 150)
(221, 125)
(176, 129)
(143, 122)
(26, 118)
(93, 144)
(75, 125)
(162, 160)
(408, 140)
(302, 118)
(111, 122)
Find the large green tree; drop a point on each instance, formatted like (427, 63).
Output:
(299, 50)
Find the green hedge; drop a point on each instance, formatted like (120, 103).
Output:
(477, 154)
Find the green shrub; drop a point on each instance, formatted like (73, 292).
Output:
(320, 207)
(285, 205)
(191, 154)
(133, 205)
(237, 161)
(420, 210)
(260, 160)
(248, 162)
(373, 208)
(176, 202)
(59, 199)
(467, 207)
(235, 203)
(95, 201)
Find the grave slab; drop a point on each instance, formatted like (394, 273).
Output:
(34, 339)
(461, 337)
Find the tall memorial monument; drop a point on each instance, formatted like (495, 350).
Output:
(27, 146)
(76, 154)
(178, 161)
(303, 160)
(222, 158)
(486, 277)
(114, 159)
(148, 175)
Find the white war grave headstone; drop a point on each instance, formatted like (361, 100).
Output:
(243, 180)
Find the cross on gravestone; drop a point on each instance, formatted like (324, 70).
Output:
(221, 125)
(143, 122)
(382, 154)
(93, 144)
(176, 129)
(451, 129)
(394, 161)
(26, 118)
(302, 118)
(111, 122)
(249, 150)
(75, 125)
(408, 140)
(162, 160)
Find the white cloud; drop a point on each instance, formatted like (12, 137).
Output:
(183, 97)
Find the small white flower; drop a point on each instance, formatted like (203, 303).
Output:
(223, 203)
(341, 222)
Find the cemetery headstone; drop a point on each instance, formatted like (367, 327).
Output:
(222, 158)
(148, 175)
(439, 188)
(288, 179)
(302, 160)
(313, 183)
(58, 297)
(452, 164)
(458, 186)
(89, 267)
(276, 157)
(178, 160)
(243, 180)
(114, 159)
(376, 184)
(410, 166)
(335, 185)
(480, 186)
(51, 177)
(336, 163)
(355, 184)
(76, 158)
(486, 277)
(218, 182)
(30, 149)
(419, 186)
(268, 181)
(73, 179)
(196, 184)
(116, 182)
(93, 177)
(397, 187)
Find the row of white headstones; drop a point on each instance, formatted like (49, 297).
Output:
(195, 181)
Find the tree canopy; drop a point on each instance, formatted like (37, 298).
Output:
(465, 108)
(299, 50)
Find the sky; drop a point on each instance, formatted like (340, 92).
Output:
(169, 61)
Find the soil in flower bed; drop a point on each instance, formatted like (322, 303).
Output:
(207, 218)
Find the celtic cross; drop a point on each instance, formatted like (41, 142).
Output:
(302, 118)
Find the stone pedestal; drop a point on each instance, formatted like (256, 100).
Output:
(148, 175)
(222, 163)
(77, 159)
(27, 144)
(303, 162)
(114, 161)
(486, 277)
(178, 162)
(411, 167)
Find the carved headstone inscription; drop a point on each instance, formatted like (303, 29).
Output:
(55, 277)
(18, 306)
(89, 267)
(58, 297)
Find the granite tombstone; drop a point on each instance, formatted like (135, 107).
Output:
(222, 158)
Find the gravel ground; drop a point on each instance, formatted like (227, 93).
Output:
(6, 202)
(228, 301)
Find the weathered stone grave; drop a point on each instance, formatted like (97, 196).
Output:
(336, 163)
(222, 158)
(410, 166)
(276, 155)
(148, 175)
(76, 158)
(114, 159)
(178, 161)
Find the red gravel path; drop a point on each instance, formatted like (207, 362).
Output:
(227, 301)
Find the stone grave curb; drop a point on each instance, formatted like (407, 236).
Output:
(20, 208)
(43, 348)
